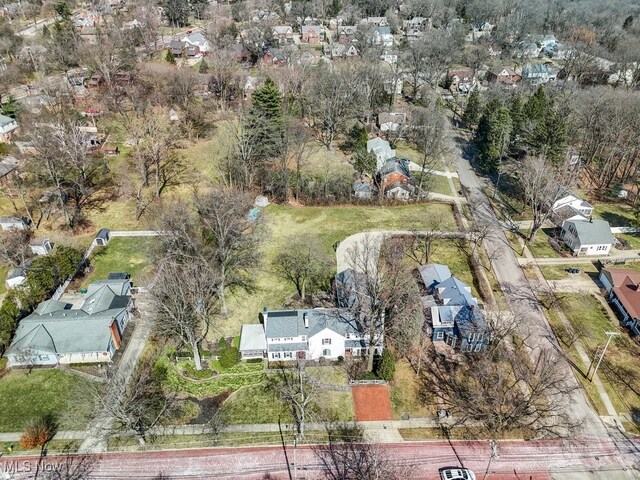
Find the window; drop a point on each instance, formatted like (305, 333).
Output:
(288, 339)
(43, 357)
(440, 335)
(326, 352)
(275, 339)
(275, 355)
(288, 355)
(478, 347)
(303, 338)
(326, 341)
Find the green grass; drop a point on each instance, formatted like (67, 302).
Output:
(619, 215)
(256, 404)
(447, 253)
(559, 272)
(329, 375)
(540, 246)
(24, 396)
(590, 320)
(407, 151)
(122, 254)
(4, 270)
(329, 225)
(405, 394)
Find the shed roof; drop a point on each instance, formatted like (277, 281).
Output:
(433, 274)
(252, 337)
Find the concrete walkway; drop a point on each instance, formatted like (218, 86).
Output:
(414, 167)
(617, 256)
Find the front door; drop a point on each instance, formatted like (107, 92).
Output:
(300, 356)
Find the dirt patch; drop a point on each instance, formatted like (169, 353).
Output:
(372, 402)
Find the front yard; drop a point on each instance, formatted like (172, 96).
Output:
(24, 396)
(590, 320)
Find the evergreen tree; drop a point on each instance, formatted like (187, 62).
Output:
(386, 365)
(493, 135)
(203, 67)
(549, 137)
(364, 162)
(266, 120)
(471, 113)
(536, 106)
(516, 112)
(10, 108)
(169, 57)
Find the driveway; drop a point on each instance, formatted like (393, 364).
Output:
(517, 290)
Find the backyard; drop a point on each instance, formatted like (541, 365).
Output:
(329, 225)
(24, 396)
(122, 254)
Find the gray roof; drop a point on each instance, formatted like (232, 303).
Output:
(12, 220)
(8, 165)
(252, 337)
(290, 323)
(355, 343)
(535, 69)
(119, 286)
(287, 347)
(4, 121)
(433, 273)
(565, 212)
(384, 30)
(309, 28)
(197, 38)
(395, 164)
(455, 292)
(56, 328)
(594, 232)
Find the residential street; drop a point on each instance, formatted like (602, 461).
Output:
(514, 460)
(517, 289)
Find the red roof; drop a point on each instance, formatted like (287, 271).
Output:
(625, 287)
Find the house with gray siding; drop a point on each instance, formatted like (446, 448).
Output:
(56, 333)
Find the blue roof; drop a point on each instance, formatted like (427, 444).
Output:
(454, 292)
(433, 273)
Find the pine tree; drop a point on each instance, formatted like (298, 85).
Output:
(266, 120)
(493, 135)
(536, 107)
(471, 114)
(516, 112)
(203, 67)
(10, 108)
(169, 57)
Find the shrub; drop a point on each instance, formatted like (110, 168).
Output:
(386, 365)
(38, 432)
(368, 376)
(222, 345)
(229, 357)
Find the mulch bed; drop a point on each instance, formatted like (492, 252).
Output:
(372, 402)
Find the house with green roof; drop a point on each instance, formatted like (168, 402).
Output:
(56, 333)
(587, 237)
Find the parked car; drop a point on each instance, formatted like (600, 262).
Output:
(573, 270)
(456, 473)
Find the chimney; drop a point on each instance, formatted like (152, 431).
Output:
(265, 316)
(305, 317)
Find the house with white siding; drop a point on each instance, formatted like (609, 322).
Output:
(286, 335)
(587, 237)
(55, 333)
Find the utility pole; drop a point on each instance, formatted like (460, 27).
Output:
(494, 454)
(610, 335)
(295, 457)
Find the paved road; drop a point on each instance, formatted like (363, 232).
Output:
(516, 287)
(618, 255)
(516, 459)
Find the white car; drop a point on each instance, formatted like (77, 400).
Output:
(455, 473)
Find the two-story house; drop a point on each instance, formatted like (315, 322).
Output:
(456, 318)
(503, 76)
(394, 179)
(381, 149)
(623, 291)
(56, 333)
(587, 237)
(346, 34)
(463, 80)
(282, 34)
(286, 335)
(538, 74)
(311, 34)
(570, 207)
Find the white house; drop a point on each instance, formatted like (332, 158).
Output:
(587, 237)
(382, 36)
(197, 39)
(305, 335)
(572, 200)
(381, 149)
(55, 333)
(17, 276)
(391, 121)
(537, 74)
(12, 223)
(41, 246)
(7, 127)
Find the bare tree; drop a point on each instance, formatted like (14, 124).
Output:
(14, 247)
(299, 394)
(348, 456)
(233, 239)
(542, 184)
(72, 466)
(185, 298)
(380, 294)
(303, 264)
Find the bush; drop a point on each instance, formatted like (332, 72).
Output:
(367, 376)
(229, 357)
(222, 345)
(38, 432)
(386, 365)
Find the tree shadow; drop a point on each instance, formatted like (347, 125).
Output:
(616, 219)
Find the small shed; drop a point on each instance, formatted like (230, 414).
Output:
(253, 343)
(110, 150)
(12, 223)
(41, 246)
(261, 201)
(103, 237)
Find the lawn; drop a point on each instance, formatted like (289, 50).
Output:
(329, 375)
(591, 320)
(407, 151)
(619, 215)
(122, 254)
(540, 246)
(559, 272)
(24, 396)
(4, 270)
(447, 253)
(285, 224)
(405, 394)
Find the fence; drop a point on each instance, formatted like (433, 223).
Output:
(367, 382)
(136, 233)
(624, 229)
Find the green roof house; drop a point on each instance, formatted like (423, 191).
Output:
(55, 333)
